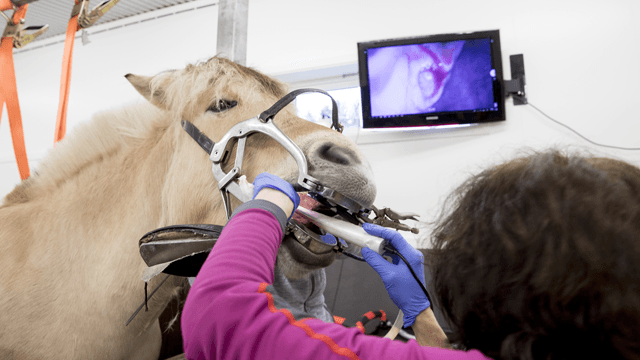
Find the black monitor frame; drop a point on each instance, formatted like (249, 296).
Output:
(408, 122)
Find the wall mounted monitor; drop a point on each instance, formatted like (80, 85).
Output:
(431, 81)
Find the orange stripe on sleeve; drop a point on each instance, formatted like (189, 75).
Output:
(338, 320)
(262, 289)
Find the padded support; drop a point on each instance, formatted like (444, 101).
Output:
(185, 246)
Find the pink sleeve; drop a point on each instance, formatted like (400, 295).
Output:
(229, 314)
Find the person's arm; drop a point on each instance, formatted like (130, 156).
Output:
(428, 332)
(426, 328)
(277, 198)
(230, 315)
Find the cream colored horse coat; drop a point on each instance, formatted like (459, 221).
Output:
(69, 261)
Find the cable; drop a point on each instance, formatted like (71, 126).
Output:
(415, 276)
(577, 133)
(396, 252)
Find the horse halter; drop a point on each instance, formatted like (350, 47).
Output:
(263, 123)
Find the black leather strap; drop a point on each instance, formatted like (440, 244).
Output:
(280, 104)
(202, 139)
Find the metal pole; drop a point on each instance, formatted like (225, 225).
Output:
(232, 30)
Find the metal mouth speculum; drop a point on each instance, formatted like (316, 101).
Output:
(263, 123)
(341, 206)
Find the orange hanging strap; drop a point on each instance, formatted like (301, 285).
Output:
(5, 5)
(10, 97)
(15, 36)
(65, 80)
(81, 17)
(20, 13)
(9, 89)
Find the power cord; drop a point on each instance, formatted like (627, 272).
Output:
(396, 252)
(415, 276)
(577, 133)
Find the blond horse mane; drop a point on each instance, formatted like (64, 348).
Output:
(111, 131)
(90, 142)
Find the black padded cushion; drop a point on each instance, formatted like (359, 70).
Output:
(185, 246)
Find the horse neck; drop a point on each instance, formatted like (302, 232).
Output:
(83, 224)
(99, 200)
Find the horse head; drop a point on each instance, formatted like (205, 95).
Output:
(216, 95)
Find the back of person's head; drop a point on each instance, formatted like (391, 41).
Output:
(539, 258)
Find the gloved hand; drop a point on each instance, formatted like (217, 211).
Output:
(266, 180)
(402, 287)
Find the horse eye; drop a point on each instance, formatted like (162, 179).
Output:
(222, 105)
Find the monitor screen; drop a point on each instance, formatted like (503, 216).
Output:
(431, 80)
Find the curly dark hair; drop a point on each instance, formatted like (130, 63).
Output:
(539, 258)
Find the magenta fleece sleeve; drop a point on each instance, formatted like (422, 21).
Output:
(230, 315)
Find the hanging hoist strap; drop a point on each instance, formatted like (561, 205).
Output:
(65, 79)
(10, 97)
(8, 5)
(81, 18)
(9, 90)
(280, 104)
(5, 5)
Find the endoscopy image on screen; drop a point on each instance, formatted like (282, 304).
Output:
(431, 77)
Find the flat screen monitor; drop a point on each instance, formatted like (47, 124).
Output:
(431, 80)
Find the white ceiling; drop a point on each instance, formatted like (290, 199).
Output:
(56, 13)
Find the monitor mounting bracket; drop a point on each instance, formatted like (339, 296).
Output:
(515, 86)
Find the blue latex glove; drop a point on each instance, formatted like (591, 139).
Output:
(266, 180)
(402, 287)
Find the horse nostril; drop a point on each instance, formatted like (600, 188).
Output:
(337, 154)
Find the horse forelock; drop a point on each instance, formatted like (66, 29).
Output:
(186, 91)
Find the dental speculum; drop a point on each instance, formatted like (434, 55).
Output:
(347, 215)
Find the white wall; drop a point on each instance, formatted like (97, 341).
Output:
(580, 60)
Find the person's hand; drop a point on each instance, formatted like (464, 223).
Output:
(402, 287)
(265, 182)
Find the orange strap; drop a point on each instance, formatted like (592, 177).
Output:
(9, 95)
(5, 5)
(65, 80)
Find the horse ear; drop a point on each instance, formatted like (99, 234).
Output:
(143, 85)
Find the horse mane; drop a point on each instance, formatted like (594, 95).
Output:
(107, 133)
(111, 131)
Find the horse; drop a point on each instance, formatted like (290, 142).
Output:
(71, 267)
